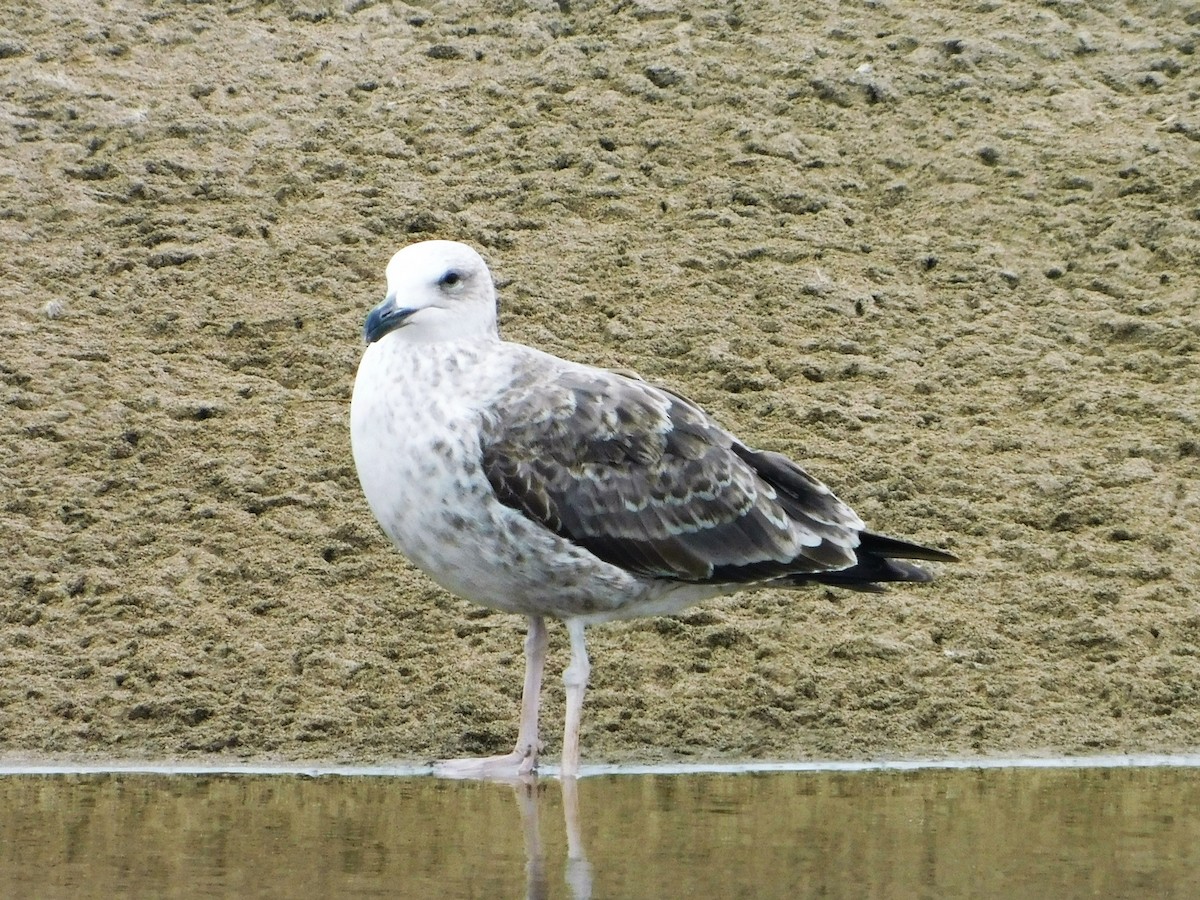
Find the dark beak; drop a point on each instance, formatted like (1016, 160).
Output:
(384, 319)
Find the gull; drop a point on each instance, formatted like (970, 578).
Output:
(551, 489)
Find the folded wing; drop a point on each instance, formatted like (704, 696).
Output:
(646, 481)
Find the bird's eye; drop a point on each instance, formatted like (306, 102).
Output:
(450, 279)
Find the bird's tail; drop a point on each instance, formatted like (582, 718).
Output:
(880, 559)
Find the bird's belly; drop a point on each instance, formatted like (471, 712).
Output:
(418, 460)
(433, 500)
(492, 555)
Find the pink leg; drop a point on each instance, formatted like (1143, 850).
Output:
(575, 678)
(523, 760)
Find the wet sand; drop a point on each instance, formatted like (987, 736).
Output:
(946, 257)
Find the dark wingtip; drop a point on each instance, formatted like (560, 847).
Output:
(877, 566)
(894, 548)
(871, 570)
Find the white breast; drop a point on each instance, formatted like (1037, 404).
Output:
(414, 423)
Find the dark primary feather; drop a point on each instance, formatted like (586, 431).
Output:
(880, 559)
(646, 481)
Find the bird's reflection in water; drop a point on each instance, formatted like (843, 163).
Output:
(578, 869)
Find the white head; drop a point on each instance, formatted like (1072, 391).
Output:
(436, 291)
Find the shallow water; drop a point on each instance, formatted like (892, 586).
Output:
(996, 832)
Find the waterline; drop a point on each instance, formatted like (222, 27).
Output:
(24, 766)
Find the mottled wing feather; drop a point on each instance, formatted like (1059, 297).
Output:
(646, 481)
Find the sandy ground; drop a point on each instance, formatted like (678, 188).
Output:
(945, 254)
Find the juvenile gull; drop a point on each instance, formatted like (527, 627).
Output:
(534, 485)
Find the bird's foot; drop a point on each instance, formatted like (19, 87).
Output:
(515, 766)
